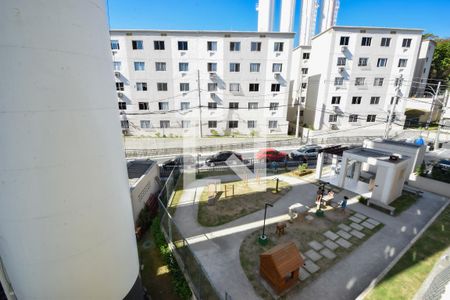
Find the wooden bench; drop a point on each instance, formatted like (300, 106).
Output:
(391, 209)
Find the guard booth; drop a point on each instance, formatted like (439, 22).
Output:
(280, 266)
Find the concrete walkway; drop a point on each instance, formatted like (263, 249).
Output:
(217, 248)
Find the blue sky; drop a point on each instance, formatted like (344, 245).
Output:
(431, 15)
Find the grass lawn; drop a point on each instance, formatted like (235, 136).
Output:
(248, 197)
(406, 277)
(403, 202)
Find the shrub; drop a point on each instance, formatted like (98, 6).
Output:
(441, 175)
(253, 133)
(158, 134)
(214, 132)
(421, 170)
(302, 168)
(362, 200)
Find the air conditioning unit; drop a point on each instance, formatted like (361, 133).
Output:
(334, 127)
(213, 95)
(336, 108)
(212, 75)
(344, 48)
(341, 69)
(277, 74)
(117, 74)
(120, 94)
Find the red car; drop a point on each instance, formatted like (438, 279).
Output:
(271, 154)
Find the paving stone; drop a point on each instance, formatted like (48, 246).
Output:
(311, 267)
(331, 235)
(355, 219)
(344, 243)
(313, 255)
(374, 222)
(344, 234)
(368, 225)
(330, 244)
(309, 218)
(344, 227)
(303, 274)
(356, 226)
(315, 245)
(357, 233)
(360, 216)
(328, 253)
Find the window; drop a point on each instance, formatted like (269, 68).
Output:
(406, 43)
(253, 87)
(374, 100)
(253, 105)
(392, 100)
(232, 124)
(185, 124)
(273, 106)
(185, 105)
(382, 62)
(306, 55)
(255, 46)
(143, 105)
(273, 124)
(122, 105)
(137, 45)
(371, 118)
(117, 65)
(234, 87)
(141, 86)
(233, 105)
(212, 67)
(184, 87)
(353, 118)
(335, 100)
(212, 105)
(212, 124)
(344, 40)
(424, 70)
(212, 87)
(251, 124)
(161, 86)
(402, 63)
(124, 124)
(158, 45)
(255, 67)
(397, 81)
(160, 66)
(304, 84)
(183, 67)
(235, 67)
(366, 41)
(115, 45)
(378, 81)
(304, 71)
(212, 46)
(145, 123)
(332, 118)
(356, 100)
(275, 87)
(235, 46)
(277, 67)
(278, 47)
(385, 42)
(163, 105)
(164, 124)
(338, 81)
(363, 61)
(182, 45)
(139, 66)
(360, 81)
(119, 86)
(341, 61)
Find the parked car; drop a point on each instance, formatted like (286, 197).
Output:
(444, 164)
(306, 153)
(220, 158)
(271, 154)
(180, 161)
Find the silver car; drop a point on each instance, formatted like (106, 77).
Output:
(306, 153)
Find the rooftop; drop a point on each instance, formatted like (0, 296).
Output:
(379, 155)
(202, 32)
(137, 168)
(399, 143)
(412, 30)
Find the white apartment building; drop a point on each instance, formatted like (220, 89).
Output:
(353, 75)
(232, 82)
(423, 67)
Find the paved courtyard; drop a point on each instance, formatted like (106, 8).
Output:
(217, 248)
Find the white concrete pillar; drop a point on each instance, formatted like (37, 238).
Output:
(287, 15)
(319, 166)
(308, 21)
(266, 10)
(66, 225)
(334, 162)
(328, 14)
(343, 171)
(356, 171)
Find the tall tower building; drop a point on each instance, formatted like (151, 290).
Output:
(328, 14)
(287, 15)
(66, 224)
(265, 10)
(308, 21)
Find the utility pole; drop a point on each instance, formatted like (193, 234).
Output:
(199, 105)
(393, 105)
(441, 119)
(435, 96)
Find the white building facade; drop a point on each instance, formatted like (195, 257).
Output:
(423, 67)
(232, 82)
(354, 75)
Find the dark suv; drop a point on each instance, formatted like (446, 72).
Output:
(180, 161)
(220, 158)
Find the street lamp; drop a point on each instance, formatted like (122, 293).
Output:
(263, 238)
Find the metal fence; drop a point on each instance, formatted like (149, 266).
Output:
(197, 277)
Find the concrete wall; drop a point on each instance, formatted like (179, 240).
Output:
(430, 185)
(144, 187)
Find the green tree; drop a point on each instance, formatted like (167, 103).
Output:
(440, 67)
